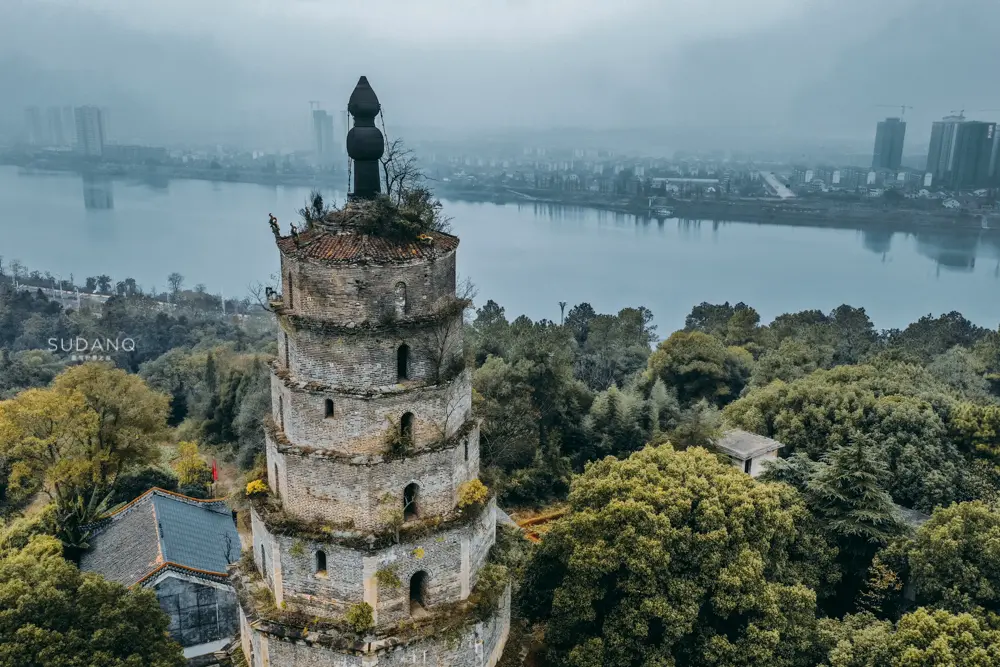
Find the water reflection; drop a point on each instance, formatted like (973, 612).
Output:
(98, 193)
(952, 251)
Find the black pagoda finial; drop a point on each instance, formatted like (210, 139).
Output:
(365, 144)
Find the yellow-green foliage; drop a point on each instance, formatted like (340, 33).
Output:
(388, 578)
(191, 468)
(360, 617)
(472, 492)
(256, 487)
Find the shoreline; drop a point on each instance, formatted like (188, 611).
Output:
(764, 212)
(822, 214)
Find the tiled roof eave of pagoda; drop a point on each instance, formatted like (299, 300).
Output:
(344, 248)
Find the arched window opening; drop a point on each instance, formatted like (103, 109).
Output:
(291, 303)
(288, 362)
(277, 489)
(321, 563)
(410, 507)
(418, 593)
(466, 443)
(281, 412)
(400, 298)
(406, 428)
(328, 408)
(263, 560)
(403, 362)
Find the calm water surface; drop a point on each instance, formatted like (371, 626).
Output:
(526, 257)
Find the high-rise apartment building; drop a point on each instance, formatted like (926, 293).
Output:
(34, 127)
(323, 136)
(889, 135)
(941, 156)
(57, 134)
(975, 155)
(90, 131)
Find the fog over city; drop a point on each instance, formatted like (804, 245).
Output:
(676, 73)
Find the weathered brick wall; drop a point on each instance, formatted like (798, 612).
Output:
(367, 361)
(477, 645)
(359, 424)
(264, 551)
(314, 487)
(451, 560)
(199, 613)
(346, 293)
(326, 468)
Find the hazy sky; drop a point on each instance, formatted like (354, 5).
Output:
(728, 71)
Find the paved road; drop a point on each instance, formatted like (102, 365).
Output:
(776, 185)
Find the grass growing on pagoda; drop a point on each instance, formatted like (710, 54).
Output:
(411, 216)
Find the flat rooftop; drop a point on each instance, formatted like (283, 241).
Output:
(745, 445)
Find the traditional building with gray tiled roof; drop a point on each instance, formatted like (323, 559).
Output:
(180, 548)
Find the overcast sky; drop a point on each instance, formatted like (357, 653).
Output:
(243, 71)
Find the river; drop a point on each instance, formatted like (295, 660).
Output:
(527, 257)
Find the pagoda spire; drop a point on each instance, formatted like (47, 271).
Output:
(365, 144)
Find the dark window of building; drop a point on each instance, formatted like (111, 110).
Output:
(328, 408)
(747, 465)
(406, 428)
(410, 501)
(288, 362)
(291, 303)
(321, 563)
(277, 489)
(418, 591)
(281, 413)
(263, 560)
(403, 362)
(466, 443)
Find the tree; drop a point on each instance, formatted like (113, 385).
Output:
(131, 417)
(56, 616)
(675, 558)
(400, 171)
(845, 492)
(191, 468)
(315, 209)
(502, 399)
(924, 637)
(76, 438)
(902, 408)
(790, 361)
(699, 367)
(954, 558)
(176, 281)
(614, 424)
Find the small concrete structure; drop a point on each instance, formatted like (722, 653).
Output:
(180, 548)
(748, 451)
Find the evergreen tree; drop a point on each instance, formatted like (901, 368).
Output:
(211, 374)
(178, 405)
(846, 494)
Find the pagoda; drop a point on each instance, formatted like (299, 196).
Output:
(372, 536)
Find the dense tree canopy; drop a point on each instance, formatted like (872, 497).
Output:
(52, 615)
(954, 558)
(922, 638)
(675, 558)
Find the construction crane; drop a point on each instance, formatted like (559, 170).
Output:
(902, 108)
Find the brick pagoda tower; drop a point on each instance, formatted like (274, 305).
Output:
(366, 549)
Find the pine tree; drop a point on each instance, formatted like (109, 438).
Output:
(846, 494)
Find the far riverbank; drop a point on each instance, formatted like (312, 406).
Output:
(831, 214)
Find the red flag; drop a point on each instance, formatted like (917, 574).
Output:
(215, 471)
